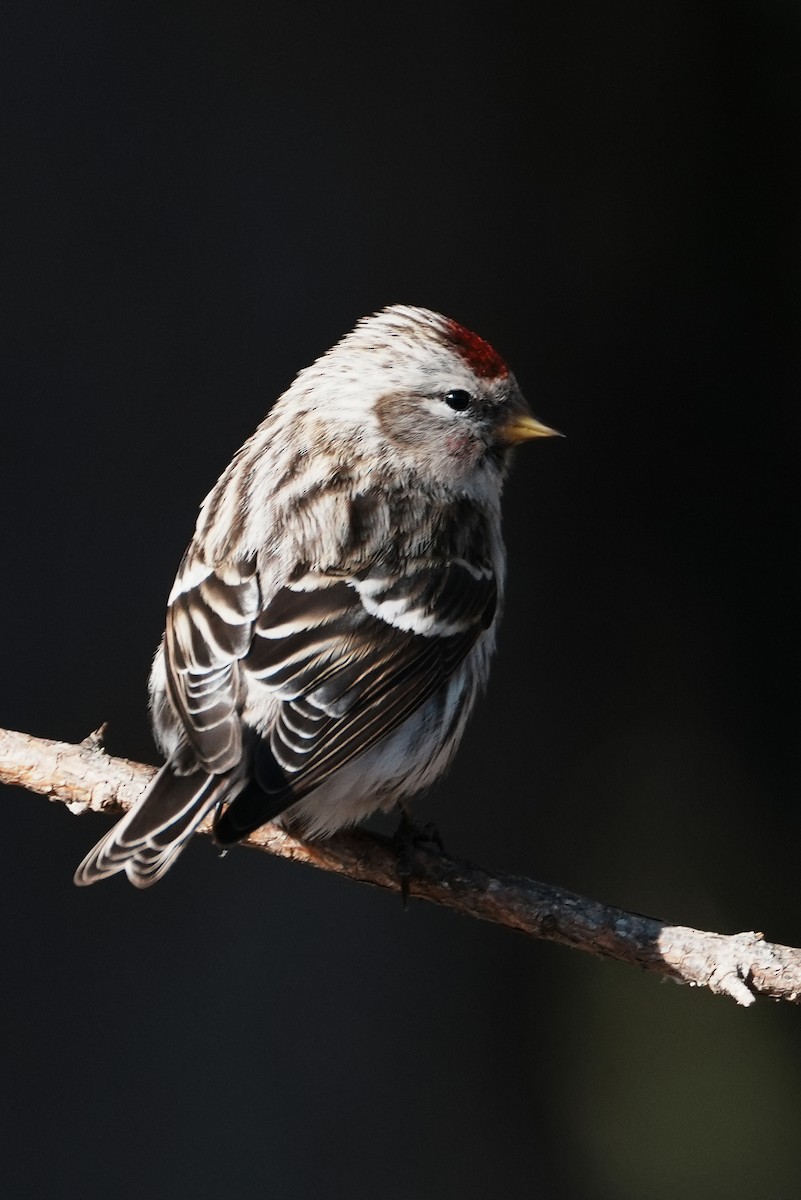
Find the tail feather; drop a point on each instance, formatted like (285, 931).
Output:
(266, 796)
(145, 842)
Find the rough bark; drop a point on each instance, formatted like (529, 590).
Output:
(741, 965)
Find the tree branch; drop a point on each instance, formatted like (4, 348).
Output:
(742, 965)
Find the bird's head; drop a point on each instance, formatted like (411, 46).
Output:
(419, 393)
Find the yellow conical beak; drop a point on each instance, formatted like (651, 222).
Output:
(522, 428)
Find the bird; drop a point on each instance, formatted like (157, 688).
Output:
(332, 621)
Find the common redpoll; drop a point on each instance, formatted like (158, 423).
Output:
(333, 618)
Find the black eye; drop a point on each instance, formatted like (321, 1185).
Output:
(458, 400)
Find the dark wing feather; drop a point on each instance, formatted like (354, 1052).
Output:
(209, 629)
(353, 660)
(350, 660)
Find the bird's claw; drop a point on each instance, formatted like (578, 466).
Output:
(408, 837)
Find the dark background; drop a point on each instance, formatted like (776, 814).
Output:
(200, 198)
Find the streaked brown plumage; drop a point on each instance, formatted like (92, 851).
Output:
(334, 616)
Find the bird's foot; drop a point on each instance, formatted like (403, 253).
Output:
(406, 840)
